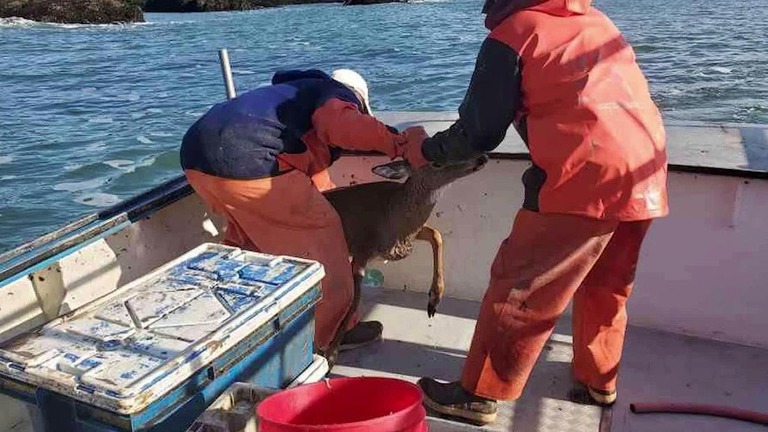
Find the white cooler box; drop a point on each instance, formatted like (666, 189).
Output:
(156, 352)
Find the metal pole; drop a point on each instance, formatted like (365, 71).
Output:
(226, 70)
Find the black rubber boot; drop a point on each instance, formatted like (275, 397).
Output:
(584, 395)
(362, 334)
(452, 400)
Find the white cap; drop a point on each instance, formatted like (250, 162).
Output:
(356, 83)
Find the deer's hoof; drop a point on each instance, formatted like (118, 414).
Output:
(331, 358)
(431, 309)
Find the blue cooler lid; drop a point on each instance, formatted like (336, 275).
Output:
(128, 349)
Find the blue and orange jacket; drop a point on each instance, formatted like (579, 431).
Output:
(302, 121)
(563, 75)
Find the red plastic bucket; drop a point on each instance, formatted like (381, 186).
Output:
(345, 405)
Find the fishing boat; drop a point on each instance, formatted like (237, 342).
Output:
(697, 328)
(697, 318)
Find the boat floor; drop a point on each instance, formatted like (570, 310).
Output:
(656, 367)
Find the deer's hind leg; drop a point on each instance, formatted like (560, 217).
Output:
(437, 289)
(358, 273)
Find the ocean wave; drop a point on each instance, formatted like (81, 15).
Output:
(129, 166)
(6, 159)
(17, 22)
(161, 134)
(160, 23)
(720, 69)
(97, 199)
(96, 147)
(80, 186)
(8, 177)
(101, 119)
(119, 163)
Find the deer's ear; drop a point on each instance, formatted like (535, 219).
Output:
(396, 170)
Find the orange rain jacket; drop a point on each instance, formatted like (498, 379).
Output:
(562, 73)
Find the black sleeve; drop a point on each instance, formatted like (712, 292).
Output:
(493, 99)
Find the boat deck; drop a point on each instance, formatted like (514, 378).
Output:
(657, 367)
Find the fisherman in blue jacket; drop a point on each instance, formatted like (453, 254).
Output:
(261, 161)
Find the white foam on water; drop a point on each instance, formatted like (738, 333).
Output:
(129, 166)
(133, 97)
(72, 167)
(243, 72)
(169, 22)
(144, 140)
(722, 70)
(98, 199)
(80, 186)
(120, 164)
(154, 110)
(16, 22)
(138, 115)
(25, 23)
(6, 159)
(96, 147)
(161, 134)
(147, 161)
(101, 119)
(8, 177)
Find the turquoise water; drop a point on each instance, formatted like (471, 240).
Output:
(91, 115)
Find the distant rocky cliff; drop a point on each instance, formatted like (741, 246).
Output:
(370, 2)
(206, 5)
(227, 5)
(120, 11)
(74, 11)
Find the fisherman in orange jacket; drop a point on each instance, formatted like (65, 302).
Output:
(261, 161)
(563, 75)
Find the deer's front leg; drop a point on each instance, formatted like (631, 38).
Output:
(437, 289)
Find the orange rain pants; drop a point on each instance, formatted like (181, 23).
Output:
(547, 260)
(287, 215)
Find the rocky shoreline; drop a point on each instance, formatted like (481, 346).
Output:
(74, 11)
(130, 11)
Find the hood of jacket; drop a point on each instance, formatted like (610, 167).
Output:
(293, 75)
(498, 10)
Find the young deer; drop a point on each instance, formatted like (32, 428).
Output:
(382, 220)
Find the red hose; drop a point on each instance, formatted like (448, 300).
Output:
(710, 410)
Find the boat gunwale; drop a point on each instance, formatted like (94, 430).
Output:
(73, 236)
